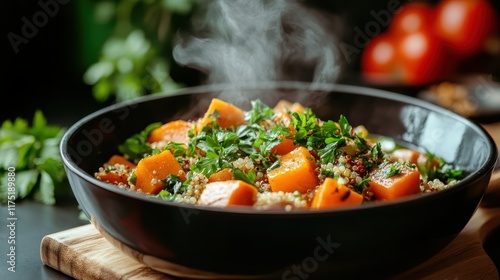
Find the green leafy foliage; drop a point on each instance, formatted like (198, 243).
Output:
(444, 172)
(136, 58)
(136, 147)
(34, 153)
(248, 177)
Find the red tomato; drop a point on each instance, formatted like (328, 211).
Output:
(423, 58)
(379, 61)
(415, 58)
(465, 25)
(412, 17)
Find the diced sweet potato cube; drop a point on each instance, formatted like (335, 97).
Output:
(387, 186)
(118, 159)
(330, 194)
(225, 174)
(228, 193)
(174, 131)
(152, 170)
(284, 147)
(229, 115)
(295, 173)
(114, 177)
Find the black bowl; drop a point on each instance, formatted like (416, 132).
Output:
(374, 240)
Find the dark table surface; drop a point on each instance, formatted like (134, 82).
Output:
(34, 221)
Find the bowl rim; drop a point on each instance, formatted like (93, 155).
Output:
(485, 168)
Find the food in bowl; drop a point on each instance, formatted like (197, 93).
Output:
(267, 158)
(177, 238)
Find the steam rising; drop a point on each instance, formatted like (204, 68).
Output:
(246, 41)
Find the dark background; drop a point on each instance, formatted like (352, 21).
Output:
(47, 71)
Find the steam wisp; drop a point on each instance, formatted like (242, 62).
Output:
(247, 41)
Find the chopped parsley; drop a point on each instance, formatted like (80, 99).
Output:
(137, 147)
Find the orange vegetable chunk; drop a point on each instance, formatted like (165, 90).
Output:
(113, 177)
(406, 155)
(295, 173)
(284, 147)
(415, 157)
(223, 175)
(385, 187)
(174, 131)
(151, 170)
(228, 193)
(229, 115)
(331, 194)
(118, 159)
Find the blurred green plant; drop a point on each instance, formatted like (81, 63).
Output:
(30, 154)
(136, 59)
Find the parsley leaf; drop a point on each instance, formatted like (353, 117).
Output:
(345, 127)
(172, 184)
(444, 171)
(34, 153)
(247, 177)
(136, 147)
(259, 113)
(394, 170)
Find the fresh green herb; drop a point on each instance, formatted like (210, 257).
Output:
(34, 153)
(220, 148)
(443, 172)
(259, 113)
(137, 147)
(179, 149)
(132, 178)
(305, 125)
(359, 188)
(448, 174)
(165, 195)
(110, 167)
(247, 177)
(345, 127)
(376, 153)
(331, 151)
(394, 170)
(327, 173)
(329, 139)
(172, 184)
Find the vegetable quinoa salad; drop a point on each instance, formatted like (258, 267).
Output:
(271, 158)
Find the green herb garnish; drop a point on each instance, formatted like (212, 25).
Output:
(137, 147)
(34, 154)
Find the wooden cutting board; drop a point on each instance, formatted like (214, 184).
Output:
(83, 253)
